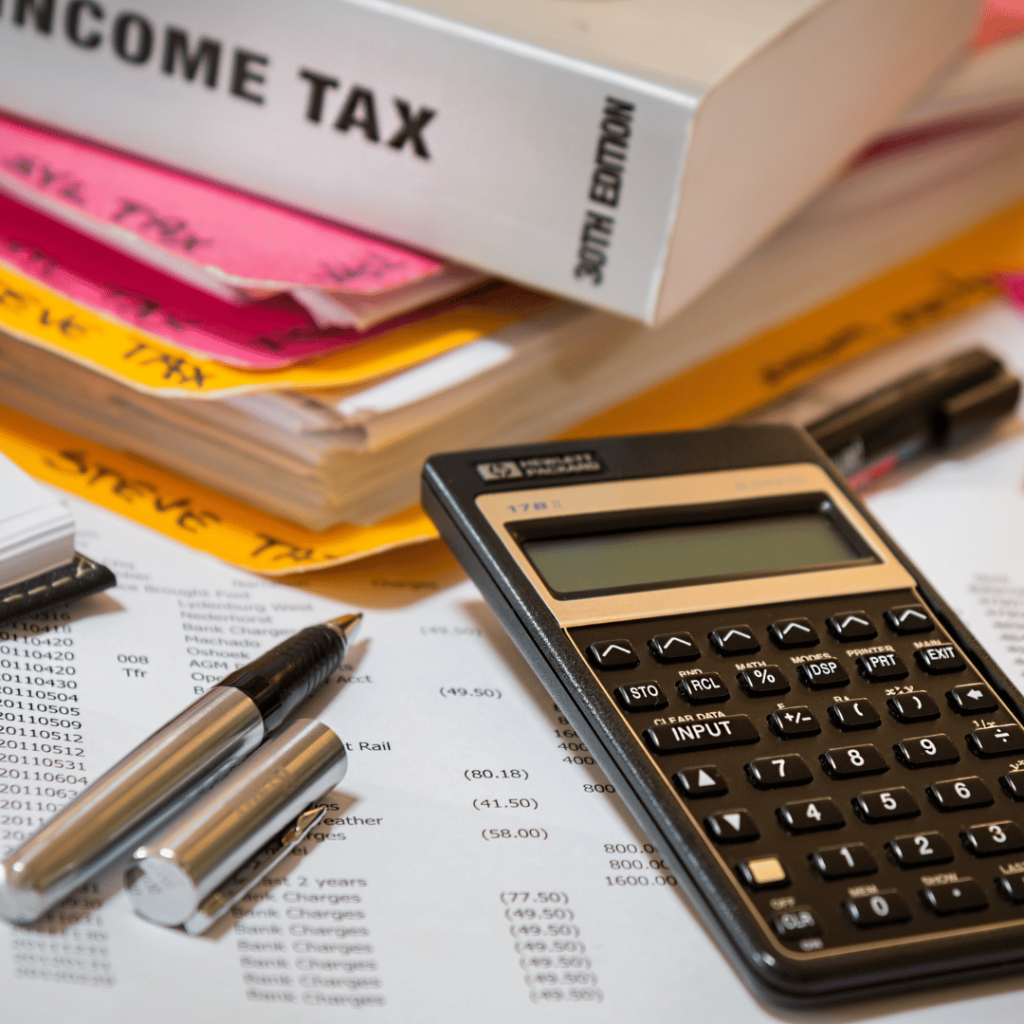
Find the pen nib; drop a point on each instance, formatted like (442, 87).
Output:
(346, 626)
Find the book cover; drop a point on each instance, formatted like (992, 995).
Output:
(622, 155)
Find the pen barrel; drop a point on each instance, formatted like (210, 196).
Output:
(108, 818)
(286, 675)
(178, 868)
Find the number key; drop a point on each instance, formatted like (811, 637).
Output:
(911, 851)
(810, 815)
(787, 770)
(957, 794)
(922, 751)
(994, 838)
(846, 762)
(886, 907)
(886, 805)
(843, 861)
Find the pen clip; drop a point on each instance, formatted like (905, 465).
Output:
(241, 882)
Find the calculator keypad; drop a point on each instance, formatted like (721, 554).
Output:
(845, 761)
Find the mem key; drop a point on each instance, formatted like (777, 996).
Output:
(714, 732)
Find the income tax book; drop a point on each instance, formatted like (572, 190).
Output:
(622, 155)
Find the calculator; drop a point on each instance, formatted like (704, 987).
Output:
(828, 760)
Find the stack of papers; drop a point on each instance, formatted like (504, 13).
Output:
(239, 344)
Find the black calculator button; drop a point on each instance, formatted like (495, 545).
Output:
(847, 861)
(613, 654)
(822, 674)
(959, 794)
(939, 660)
(886, 805)
(1013, 784)
(731, 827)
(911, 851)
(954, 897)
(674, 647)
(923, 751)
(1011, 888)
(715, 732)
(704, 780)
(810, 815)
(994, 838)
(970, 698)
(792, 723)
(762, 873)
(706, 688)
(848, 626)
(641, 697)
(854, 714)
(787, 770)
(734, 640)
(994, 740)
(846, 762)
(764, 681)
(916, 706)
(793, 633)
(882, 667)
(795, 923)
(885, 907)
(909, 618)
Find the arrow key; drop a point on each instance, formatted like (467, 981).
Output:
(909, 618)
(970, 698)
(847, 626)
(793, 633)
(734, 640)
(674, 647)
(731, 827)
(613, 654)
(704, 780)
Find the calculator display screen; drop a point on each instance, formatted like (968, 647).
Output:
(635, 559)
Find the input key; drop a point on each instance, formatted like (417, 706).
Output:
(728, 731)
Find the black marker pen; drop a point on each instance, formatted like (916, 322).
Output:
(167, 771)
(932, 408)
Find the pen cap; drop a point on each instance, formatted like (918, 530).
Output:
(172, 873)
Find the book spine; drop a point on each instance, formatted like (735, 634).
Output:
(553, 172)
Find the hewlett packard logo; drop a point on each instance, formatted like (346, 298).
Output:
(534, 467)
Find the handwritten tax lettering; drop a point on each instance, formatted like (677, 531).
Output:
(78, 462)
(170, 366)
(20, 301)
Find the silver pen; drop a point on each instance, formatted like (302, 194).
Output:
(167, 771)
(198, 866)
